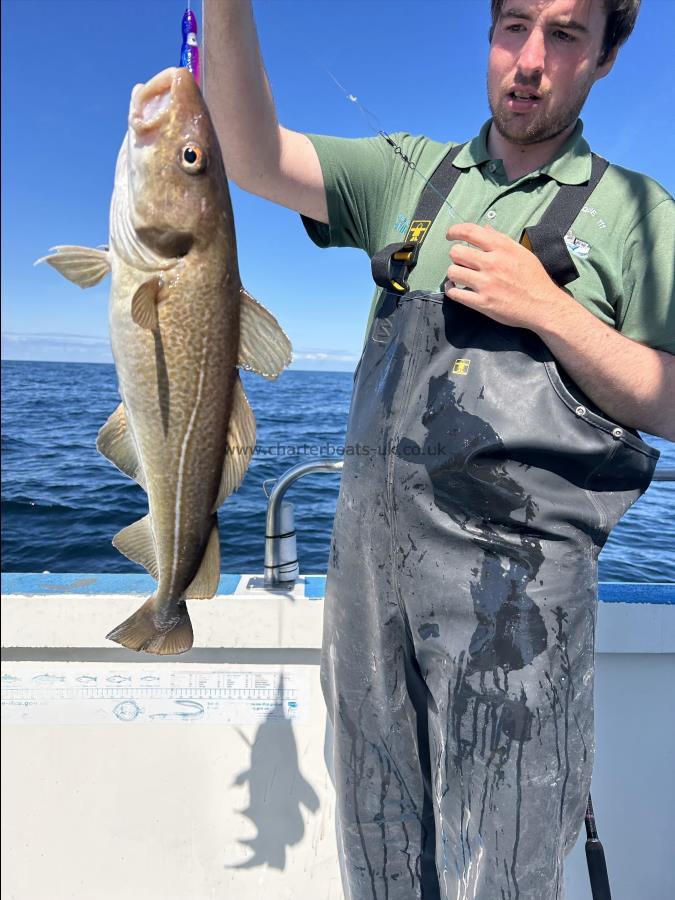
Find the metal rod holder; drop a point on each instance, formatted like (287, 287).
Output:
(273, 530)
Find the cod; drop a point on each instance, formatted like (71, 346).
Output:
(181, 327)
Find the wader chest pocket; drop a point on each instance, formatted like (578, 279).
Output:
(574, 399)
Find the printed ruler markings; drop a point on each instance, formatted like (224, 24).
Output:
(241, 696)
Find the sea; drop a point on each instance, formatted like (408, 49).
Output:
(62, 502)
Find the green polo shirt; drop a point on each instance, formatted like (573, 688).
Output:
(622, 242)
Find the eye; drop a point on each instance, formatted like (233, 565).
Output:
(192, 159)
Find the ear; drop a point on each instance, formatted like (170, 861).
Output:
(606, 66)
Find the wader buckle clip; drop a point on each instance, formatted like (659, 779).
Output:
(393, 264)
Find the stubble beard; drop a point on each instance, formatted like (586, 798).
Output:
(541, 127)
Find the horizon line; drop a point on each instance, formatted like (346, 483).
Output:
(86, 362)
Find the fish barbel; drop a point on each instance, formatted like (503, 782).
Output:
(180, 326)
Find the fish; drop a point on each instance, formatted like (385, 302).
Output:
(181, 327)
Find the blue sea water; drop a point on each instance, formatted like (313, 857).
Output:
(62, 502)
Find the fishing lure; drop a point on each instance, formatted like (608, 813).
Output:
(189, 51)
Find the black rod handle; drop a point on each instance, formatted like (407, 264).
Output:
(597, 870)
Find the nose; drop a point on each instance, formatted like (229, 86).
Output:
(532, 56)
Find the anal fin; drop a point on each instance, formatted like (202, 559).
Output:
(116, 443)
(84, 266)
(264, 348)
(240, 443)
(137, 543)
(205, 582)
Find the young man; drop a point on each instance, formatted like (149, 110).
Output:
(495, 406)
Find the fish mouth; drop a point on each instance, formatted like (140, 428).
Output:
(150, 102)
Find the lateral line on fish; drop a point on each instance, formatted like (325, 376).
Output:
(181, 464)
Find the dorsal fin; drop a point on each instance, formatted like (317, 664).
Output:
(205, 583)
(240, 443)
(264, 348)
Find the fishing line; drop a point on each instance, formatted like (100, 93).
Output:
(376, 126)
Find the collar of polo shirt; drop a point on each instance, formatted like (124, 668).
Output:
(570, 165)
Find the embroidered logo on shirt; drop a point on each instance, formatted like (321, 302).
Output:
(593, 213)
(402, 222)
(418, 230)
(461, 366)
(576, 245)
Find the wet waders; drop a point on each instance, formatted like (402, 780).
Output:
(479, 486)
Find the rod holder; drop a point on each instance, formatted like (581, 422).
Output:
(280, 568)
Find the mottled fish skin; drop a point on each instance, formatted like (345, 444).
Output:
(176, 382)
(180, 324)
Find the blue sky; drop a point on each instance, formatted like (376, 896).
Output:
(68, 67)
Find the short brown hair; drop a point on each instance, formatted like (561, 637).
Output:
(621, 18)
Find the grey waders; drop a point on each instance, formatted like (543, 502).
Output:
(479, 486)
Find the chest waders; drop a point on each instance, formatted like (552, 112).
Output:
(479, 486)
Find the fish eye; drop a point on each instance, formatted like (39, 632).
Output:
(193, 159)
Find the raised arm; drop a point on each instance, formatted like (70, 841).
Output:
(261, 156)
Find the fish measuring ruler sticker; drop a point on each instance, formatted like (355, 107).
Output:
(76, 693)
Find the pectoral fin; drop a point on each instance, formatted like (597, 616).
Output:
(116, 443)
(205, 582)
(240, 444)
(263, 346)
(83, 266)
(137, 543)
(144, 304)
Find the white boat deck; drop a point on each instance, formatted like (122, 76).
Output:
(114, 786)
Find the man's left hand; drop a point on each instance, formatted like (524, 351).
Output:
(507, 282)
(632, 383)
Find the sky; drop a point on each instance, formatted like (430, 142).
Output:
(68, 67)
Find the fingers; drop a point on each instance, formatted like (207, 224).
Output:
(473, 234)
(461, 295)
(465, 276)
(463, 255)
(485, 237)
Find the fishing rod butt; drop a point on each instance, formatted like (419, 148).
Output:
(597, 870)
(595, 857)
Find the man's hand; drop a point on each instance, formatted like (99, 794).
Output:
(507, 282)
(632, 383)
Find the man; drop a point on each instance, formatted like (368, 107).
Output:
(493, 414)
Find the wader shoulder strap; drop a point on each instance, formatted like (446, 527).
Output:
(547, 239)
(392, 265)
(434, 195)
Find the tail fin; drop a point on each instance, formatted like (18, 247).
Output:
(155, 630)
